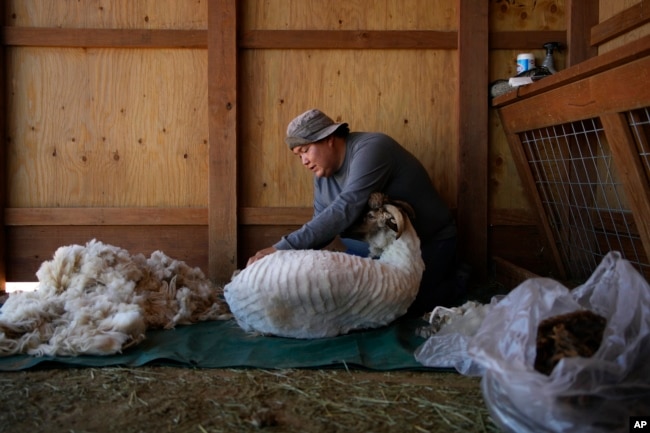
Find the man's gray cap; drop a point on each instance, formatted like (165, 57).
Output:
(309, 127)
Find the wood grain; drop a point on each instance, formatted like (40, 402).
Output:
(107, 127)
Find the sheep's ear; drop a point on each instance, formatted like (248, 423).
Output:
(397, 221)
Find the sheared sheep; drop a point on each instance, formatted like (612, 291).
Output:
(97, 299)
(317, 293)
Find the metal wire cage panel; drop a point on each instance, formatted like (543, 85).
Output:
(580, 142)
(581, 192)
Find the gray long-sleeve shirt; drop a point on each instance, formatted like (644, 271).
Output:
(373, 162)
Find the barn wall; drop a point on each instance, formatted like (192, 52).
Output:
(125, 124)
(105, 128)
(409, 94)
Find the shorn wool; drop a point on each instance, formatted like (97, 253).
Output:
(97, 299)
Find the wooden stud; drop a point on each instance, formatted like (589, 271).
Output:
(472, 216)
(222, 125)
(3, 154)
(581, 16)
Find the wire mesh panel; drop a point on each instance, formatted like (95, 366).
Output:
(583, 199)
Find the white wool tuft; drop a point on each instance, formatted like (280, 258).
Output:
(97, 299)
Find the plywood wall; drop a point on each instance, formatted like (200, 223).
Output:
(107, 128)
(121, 127)
(113, 14)
(349, 15)
(408, 94)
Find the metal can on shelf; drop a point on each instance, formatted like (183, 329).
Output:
(525, 61)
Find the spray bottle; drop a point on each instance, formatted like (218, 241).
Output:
(548, 60)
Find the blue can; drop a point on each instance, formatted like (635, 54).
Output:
(525, 62)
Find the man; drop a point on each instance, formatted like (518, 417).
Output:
(348, 167)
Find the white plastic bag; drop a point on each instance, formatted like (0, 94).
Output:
(447, 347)
(596, 394)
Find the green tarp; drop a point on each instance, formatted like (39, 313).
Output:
(222, 344)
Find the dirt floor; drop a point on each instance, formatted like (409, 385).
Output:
(168, 399)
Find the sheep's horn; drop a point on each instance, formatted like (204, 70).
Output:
(405, 207)
(397, 214)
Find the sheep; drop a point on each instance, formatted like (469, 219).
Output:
(309, 294)
(97, 299)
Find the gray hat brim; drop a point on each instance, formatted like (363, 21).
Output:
(318, 135)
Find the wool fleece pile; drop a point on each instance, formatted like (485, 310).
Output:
(98, 299)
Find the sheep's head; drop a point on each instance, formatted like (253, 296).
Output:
(389, 213)
(384, 222)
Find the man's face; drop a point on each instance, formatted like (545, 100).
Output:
(320, 157)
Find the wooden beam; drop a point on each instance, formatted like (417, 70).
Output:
(621, 23)
(582, 15)
(609, 60)
(631, 171)
(105, 216)
(509, 274)
(348, 39)
(103, 38)
(222, 129)
(613, 90)
(472, 215)
(273, 216)
(265, 216)
(528, 181)
(271, 39)
(3, 155)
(525, 39)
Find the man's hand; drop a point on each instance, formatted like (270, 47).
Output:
(261, 253)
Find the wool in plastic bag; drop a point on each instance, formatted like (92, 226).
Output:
(594, 394)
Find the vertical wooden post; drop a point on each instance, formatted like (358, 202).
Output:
(3, 154)
(581, 16)
(472, 216)
(222, 127)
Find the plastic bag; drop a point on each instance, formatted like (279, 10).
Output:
(447, 347)
(596, 394)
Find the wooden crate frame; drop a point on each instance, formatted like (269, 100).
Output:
(604, 90)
